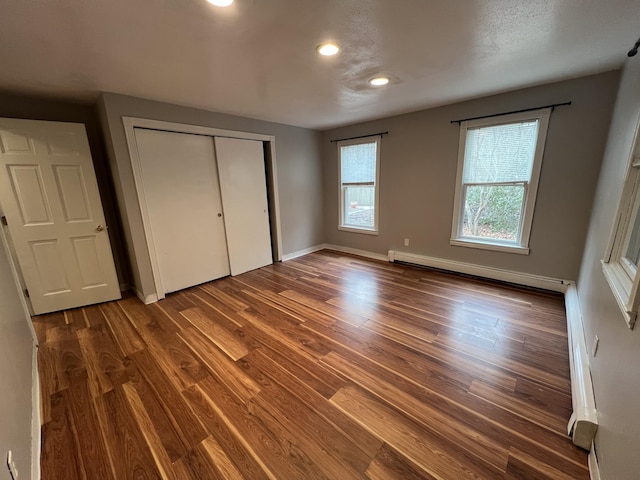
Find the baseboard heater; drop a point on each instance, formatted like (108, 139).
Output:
(508, 276)
(583, 422)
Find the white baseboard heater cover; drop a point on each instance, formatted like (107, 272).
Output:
(584, 420)
(518, 278)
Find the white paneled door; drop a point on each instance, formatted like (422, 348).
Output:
(182, 195)
(50, 198)
(244, 199)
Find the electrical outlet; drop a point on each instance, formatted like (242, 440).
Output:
(11, 465)
(406, 242)
(596, 342)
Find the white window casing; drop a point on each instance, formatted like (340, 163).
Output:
(622, 274)
(526, 184)
(359, 182)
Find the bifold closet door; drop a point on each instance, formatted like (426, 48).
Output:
(244, 199)
(182, 195)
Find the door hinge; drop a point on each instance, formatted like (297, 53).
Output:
(4, 220)
(26, 292)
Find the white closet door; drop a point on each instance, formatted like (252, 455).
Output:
(182, 196)
(244, 198)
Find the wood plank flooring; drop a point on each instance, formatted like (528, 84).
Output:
(324, 367)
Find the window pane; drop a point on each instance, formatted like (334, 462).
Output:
(493, 212)
(359, 203)
(358, 163)
(632, 253)
(502, 153)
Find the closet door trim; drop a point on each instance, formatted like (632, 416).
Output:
(130, 123)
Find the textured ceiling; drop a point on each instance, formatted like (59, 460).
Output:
(257, 58)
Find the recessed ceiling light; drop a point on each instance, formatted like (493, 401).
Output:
(220, 3)
(379, 81)
(328, 49)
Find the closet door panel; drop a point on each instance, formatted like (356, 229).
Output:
(244, 198)
(182, 194)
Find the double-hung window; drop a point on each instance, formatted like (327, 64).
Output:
(622, 259)
(359, 165)
(499, 163)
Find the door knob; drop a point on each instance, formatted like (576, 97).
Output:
(99, 228)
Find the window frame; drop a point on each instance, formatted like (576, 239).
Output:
(621, 277)
(521, 245)
(341, 190)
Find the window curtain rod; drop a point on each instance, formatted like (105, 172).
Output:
(361, 136)
(552, 106)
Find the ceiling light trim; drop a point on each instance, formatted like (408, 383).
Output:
(379, 81)
(220, 3)
(328, 49)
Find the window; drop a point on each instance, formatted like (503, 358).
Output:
(359, 162)
(498, 169)
(621, 262)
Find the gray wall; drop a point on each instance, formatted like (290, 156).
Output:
(615, 369)
(298, 162)
(16, 350)
(418, 171)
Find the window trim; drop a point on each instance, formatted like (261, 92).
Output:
(624, 283)
(341, 196)
(521, 246)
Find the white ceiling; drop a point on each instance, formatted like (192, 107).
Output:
(257, 58)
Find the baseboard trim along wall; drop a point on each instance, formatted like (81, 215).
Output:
(305, 251)
(337, 248)
(36, 441)
(356, 251)
(584, 420)
(526, 279)
(594, 469)
(153, 298)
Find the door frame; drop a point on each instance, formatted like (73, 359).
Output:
(269, 141)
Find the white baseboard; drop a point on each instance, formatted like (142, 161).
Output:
(584, 420)
(35, 416)
(356, 251)
(594, 469)
(519, 278)
(305, 251)
(153, 298)
(337, 248)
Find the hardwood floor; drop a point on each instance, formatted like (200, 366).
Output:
(326, 366)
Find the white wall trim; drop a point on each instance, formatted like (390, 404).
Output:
(356, 251)
(519, 278)
(594, 469)
(337, 248)
(146, 299)
(584, 420)
(304, 251)
(35, 416)
(196, 129)
(130, 123)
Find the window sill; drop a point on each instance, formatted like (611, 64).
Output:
(498, 247)
(620, 286)
(366, 231)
